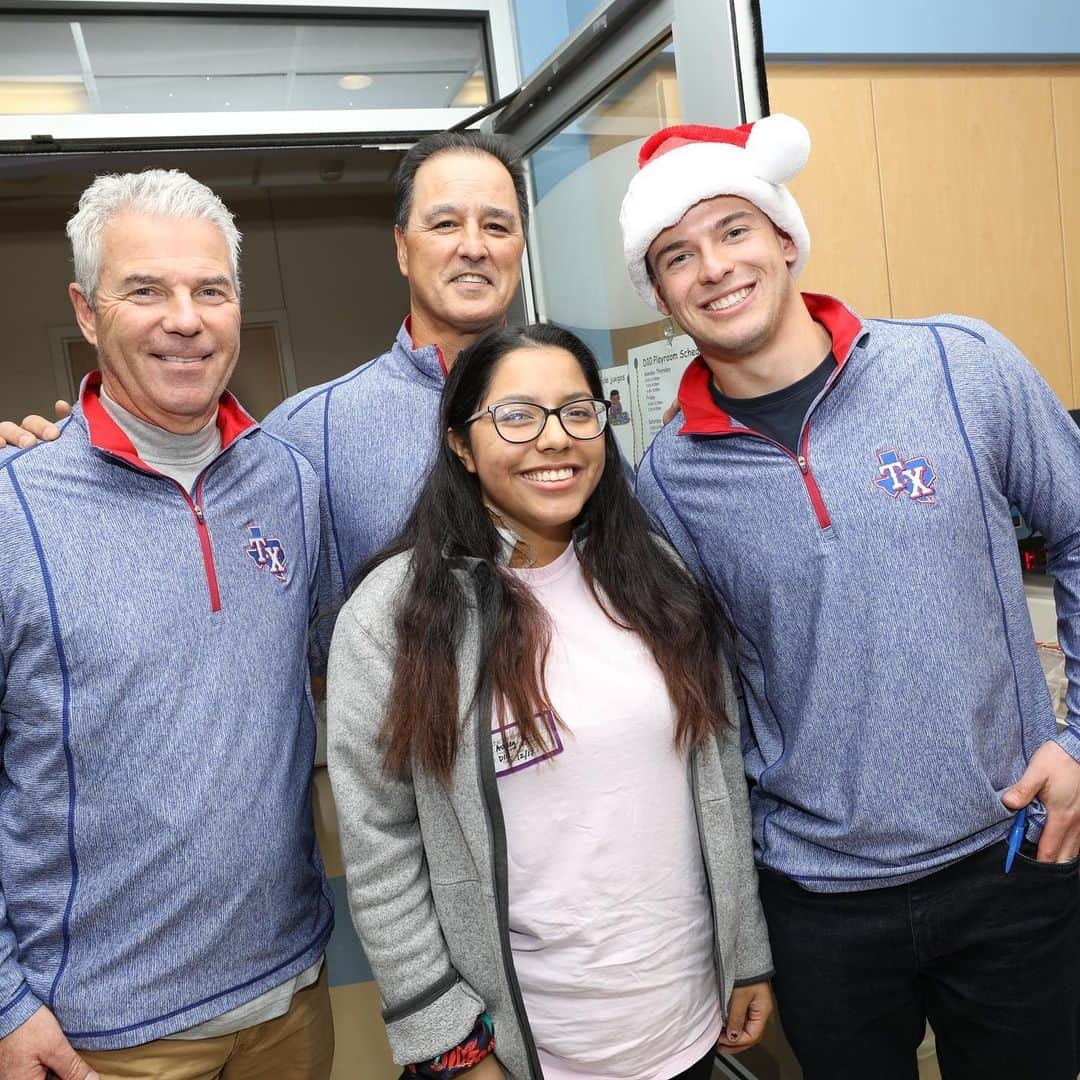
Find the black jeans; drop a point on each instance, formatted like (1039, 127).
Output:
(991, 959)
(701, 1070)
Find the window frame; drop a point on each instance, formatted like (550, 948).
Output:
(56, 132)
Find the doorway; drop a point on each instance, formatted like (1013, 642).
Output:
(321, 289)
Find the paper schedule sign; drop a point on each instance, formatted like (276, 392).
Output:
(642, 389)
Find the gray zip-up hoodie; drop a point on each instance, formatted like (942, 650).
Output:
(425, 860)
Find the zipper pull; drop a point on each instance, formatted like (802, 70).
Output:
(803, 467)
(199, 517)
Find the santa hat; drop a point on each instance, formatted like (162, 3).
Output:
(681, 166)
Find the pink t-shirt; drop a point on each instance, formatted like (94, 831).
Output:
(610, 922)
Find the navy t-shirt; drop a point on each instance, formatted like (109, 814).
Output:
(779, 415)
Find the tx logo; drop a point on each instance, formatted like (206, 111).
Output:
(914, 477)
(267, 552)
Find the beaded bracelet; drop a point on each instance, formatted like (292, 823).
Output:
(469, 1052)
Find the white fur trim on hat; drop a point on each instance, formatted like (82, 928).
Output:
(669, 185)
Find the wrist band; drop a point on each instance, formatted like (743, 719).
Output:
(469, 1052)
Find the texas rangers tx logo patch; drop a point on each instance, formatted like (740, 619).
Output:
(913, 477)
(267, 552)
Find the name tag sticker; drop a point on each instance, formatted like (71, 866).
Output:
(512, 753)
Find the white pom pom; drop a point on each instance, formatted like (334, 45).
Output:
(779, 145)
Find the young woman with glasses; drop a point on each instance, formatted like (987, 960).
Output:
(542, 804)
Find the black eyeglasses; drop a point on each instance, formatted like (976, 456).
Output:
(523, 421)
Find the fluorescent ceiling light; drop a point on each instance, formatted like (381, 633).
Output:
(355, 82)
(25, 98)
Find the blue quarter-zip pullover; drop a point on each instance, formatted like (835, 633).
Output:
(158, 863)
(890, 688)
(371, 436)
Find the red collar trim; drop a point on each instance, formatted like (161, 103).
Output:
(233, 420)
(407, 326)
(702, 416)
(105, 434)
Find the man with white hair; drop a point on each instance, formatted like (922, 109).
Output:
(163, 910)
(844, 485)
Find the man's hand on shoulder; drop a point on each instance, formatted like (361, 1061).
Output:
(37, 1049)
(32, 428)
(1053, 777)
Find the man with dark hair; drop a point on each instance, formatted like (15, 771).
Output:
(844, 485)
(461, 213)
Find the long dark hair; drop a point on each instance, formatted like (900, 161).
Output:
(639, 584)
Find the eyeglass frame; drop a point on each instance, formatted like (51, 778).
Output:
(548, 414)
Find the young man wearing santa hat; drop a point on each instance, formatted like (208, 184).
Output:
(844, 485)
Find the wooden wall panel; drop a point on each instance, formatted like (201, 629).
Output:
(1066, 98)
(838, 191)
(969, 186)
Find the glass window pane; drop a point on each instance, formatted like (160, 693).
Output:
(145, 63)
(579, 177)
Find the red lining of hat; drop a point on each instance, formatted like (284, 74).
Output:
(671, 138)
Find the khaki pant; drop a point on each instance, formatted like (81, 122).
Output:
(296, 1046)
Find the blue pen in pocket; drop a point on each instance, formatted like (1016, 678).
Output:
(1016, 837)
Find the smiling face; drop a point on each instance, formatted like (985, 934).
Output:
(539, 487)
(722, 272)
(461, 247)
(165, 320)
